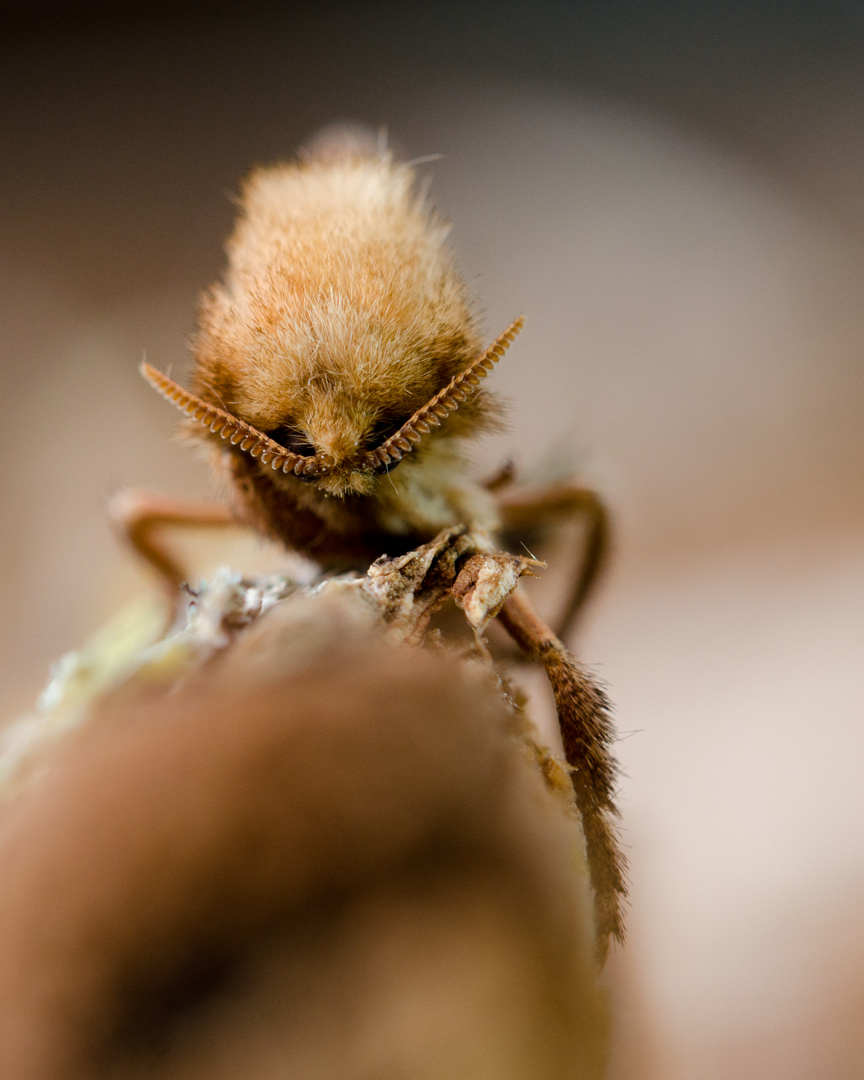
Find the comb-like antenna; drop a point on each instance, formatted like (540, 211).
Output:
(259, 445)
(236, 431)
(446, 401)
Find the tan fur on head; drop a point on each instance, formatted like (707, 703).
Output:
(341, 307)
(339, 341)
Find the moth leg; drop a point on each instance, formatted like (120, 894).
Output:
(587, 734)
(503, 476)
(524, 508)
(138, 518)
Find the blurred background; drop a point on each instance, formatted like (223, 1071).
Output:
(672, 193)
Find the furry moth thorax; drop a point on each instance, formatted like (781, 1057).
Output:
(340, 342)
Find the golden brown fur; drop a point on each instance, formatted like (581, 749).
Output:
(340, 314)
(290, 874)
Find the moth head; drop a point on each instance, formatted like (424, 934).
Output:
(321, 447)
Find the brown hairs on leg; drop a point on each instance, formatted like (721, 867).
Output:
(138, 515)
(587, 734)
(525, 508)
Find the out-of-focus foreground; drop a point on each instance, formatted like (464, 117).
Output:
(673, 197)
(248, 862)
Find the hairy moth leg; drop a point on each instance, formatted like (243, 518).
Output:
(523, 508)
(503, 476)
(138, 516)
(587, 734)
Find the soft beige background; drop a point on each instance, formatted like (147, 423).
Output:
(683, 224)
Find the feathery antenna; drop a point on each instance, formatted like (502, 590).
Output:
(259, 445)
(446, 401)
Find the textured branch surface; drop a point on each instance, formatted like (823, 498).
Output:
(217, 840)
(400, 595)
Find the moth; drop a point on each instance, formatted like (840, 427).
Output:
(337, 377)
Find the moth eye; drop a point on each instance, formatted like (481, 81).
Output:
(293, 440)
(382, 431)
